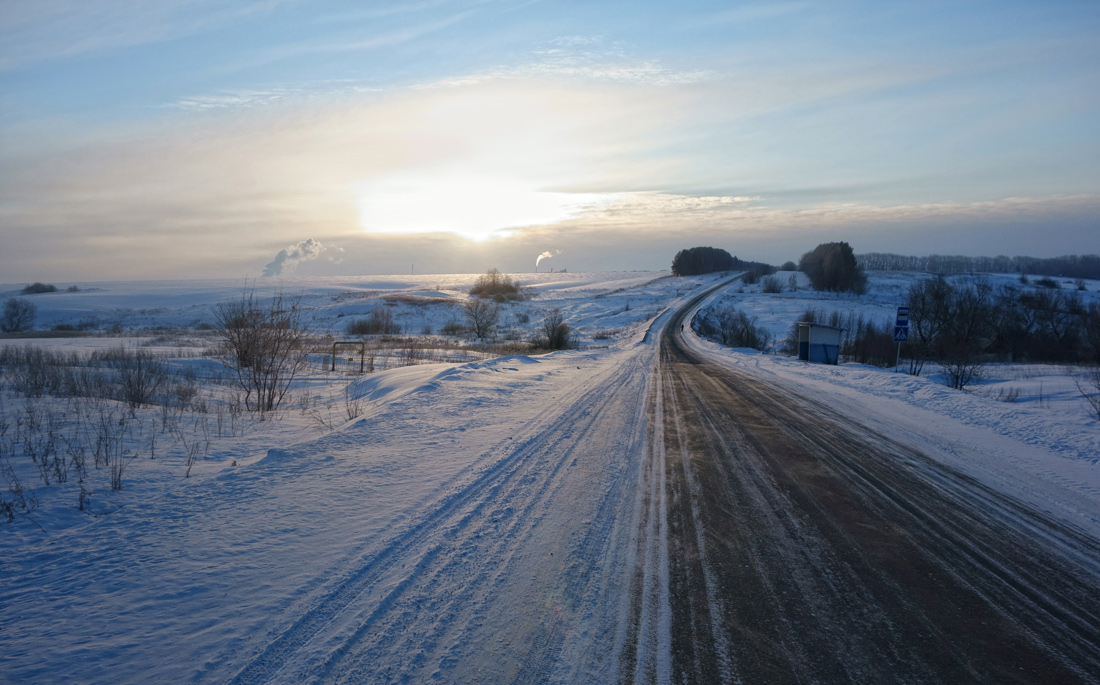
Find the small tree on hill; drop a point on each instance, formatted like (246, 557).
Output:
(18, 315)
(702, 260)
(832, 267)
(482, 316)
(39, 288)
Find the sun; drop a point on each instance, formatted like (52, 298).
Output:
(475, 205)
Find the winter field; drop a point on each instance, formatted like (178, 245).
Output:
(190, 540)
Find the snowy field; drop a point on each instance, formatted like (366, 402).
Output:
(224, 523)
(171, 320)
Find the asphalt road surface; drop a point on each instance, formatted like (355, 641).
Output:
(800, 547)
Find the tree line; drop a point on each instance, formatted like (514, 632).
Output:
(966, 322)
(694, 261)
(1068, 266)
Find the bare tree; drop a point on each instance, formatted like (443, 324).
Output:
(482, 316)
(265, 343)
(18, 315)
(929, 311)
(968, 330)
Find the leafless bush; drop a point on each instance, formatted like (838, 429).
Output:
(413, 352)
(266, 344)
(33, 371)
(353, 404)
(109, 428)
(481, 316)
(556, 333)
(771, 284)
(498, 287)
(962, 369)
(453, 327)
(379, 322)
(190, 452)
(734, 327)
(608, 334)
(18, 498)
(1088, 384)
(139, 376)
(40, 442)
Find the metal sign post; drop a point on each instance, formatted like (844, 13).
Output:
(901, 332)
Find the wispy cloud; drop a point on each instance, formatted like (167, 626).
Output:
(564, 61)
(282, 95)
(668, 211)
(333, 45)
(32, 32)
(611, 65)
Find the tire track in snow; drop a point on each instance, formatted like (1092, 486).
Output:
(652, 643)
(525, 474)
(722, 655)
(530, 497)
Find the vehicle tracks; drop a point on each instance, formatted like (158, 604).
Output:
(805, 548)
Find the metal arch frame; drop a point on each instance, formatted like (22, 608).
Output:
(362, 351)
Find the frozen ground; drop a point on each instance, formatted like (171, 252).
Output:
(289, 530)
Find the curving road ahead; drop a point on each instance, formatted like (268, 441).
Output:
(796, 546)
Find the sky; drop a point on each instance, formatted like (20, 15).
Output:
(270, 138)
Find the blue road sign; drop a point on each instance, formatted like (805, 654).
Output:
(903, 318)
(901, 333)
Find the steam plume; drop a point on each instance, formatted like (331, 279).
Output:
(544, 255)
(292, 255)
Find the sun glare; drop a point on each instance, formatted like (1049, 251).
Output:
(474, 206)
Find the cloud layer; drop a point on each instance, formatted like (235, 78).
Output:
(604, 137)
